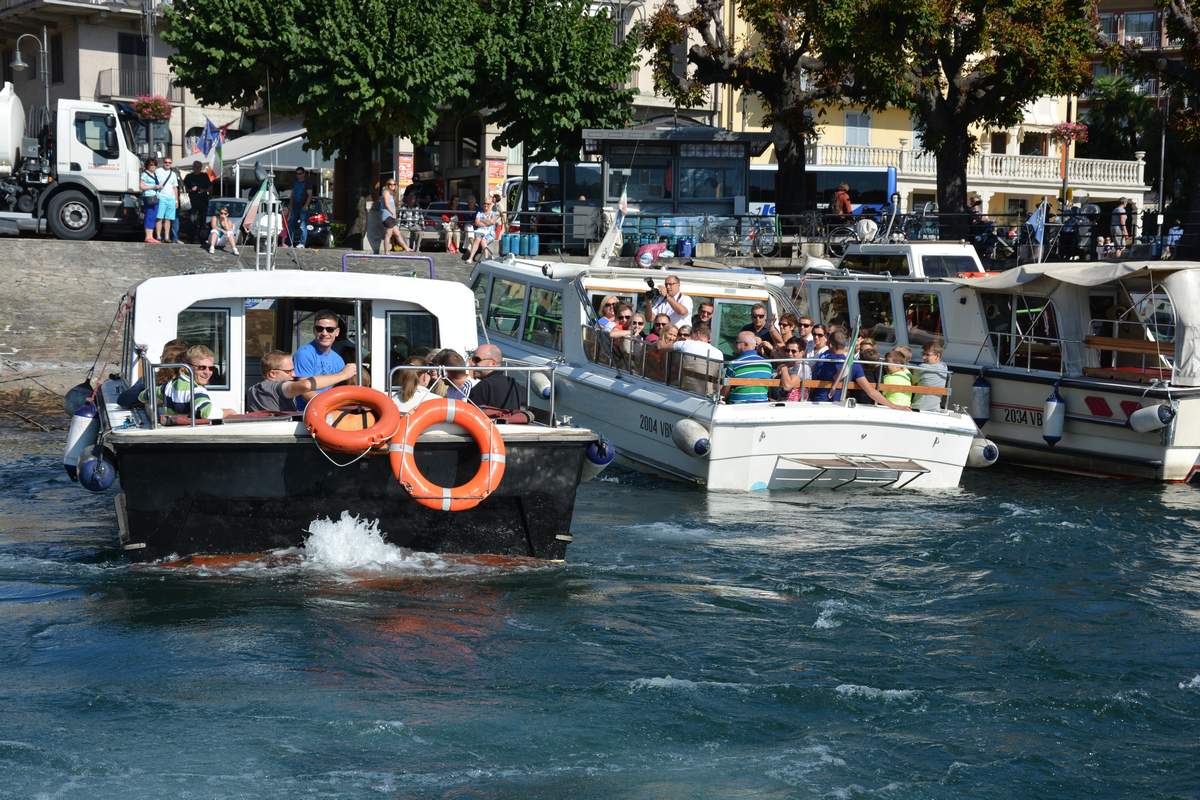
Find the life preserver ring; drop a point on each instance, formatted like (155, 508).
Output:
(319, 412)
(401, 453)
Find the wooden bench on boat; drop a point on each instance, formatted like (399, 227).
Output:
(774, 383)
(1140, 346)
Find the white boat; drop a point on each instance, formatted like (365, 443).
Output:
(1082, 367)
(662, 409)
(246, 483)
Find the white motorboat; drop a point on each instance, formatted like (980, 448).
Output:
(250, 482)
(662, 409)
(1081, 367)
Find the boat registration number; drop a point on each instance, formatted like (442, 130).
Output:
(655, 426)
(1021, 416)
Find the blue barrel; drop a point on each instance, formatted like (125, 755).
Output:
(686, 247)
(523, 245)
(504, 245)
(534, 244)
(513, 242)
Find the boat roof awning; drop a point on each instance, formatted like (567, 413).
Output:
(1077, 273)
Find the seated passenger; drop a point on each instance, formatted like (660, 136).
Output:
(869, 357)
(637, 327)
(758, 326)
(178, 395)
(898, 375)
(685, 332)
(698, 344)
(788, 327)
(749, 365)
(279, 388)
(494, 389)
(173, 352)
(935, 374)
(668, 337)
(318, 357)
(458, 383)
(829, 367)
(794, 373)
(607, 320)
(661, 323)
(414, 385)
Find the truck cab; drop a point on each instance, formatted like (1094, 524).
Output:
(82, 177)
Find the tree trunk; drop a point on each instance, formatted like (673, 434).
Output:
(355, 160)
(952, 184)
(790, 184)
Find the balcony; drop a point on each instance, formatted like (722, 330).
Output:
(129, 84)
(1035, 173)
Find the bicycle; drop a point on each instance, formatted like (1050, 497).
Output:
(923, 224)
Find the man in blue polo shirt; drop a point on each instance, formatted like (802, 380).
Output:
(829, 366)
(748, 364)
(317, 357)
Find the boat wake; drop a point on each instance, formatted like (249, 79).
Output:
(353, 544)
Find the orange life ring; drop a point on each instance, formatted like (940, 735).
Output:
(317, 418)
(401, 453)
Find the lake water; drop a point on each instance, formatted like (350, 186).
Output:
(1028, 636)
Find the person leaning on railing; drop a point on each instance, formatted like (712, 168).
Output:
(935, 374)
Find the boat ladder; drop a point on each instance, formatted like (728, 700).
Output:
(846, 470)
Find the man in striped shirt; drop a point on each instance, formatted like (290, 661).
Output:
(748, 364)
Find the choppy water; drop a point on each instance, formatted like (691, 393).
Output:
(1025, 637)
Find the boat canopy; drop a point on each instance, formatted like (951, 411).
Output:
(1068, 284)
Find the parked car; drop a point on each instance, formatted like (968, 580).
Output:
(319, 221)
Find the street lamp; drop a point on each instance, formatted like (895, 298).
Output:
(19, 65)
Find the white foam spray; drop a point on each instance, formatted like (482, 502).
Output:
(351, 543)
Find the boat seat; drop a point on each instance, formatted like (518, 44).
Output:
(1141, 346)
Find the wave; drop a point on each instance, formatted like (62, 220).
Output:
(668, 683)
(871, 693)
(351, 543)
(1193, 684)
(833, 613)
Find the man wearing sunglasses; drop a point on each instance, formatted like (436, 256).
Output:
(669, 300)
(760, 328)
(318, 356)
(280, 387)
(661, 323)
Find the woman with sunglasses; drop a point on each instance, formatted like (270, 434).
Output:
(222, 231)
(794, 372)
(637, 326)
(820, 341)
(608, 321)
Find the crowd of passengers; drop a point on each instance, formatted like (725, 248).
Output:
(793, 350)
(290, 381)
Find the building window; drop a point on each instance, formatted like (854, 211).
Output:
(1034, 144)
(1000, 142)
(56, 58)
(1141, 28)
(1108, 27)
(858, 129)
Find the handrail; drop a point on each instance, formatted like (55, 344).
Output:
(148, 370)
(526, 368)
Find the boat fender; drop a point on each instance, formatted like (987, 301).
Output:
(322, 421)
(96, 472)
(464, 414)
(541, 384)
(1054, 414)
(81, 435)
(76, 397)
(981, 400)
(1151, 418)
(983, 453)
(599, 455)
(691, 437)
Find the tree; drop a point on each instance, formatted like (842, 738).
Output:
(957, 66)
(779, 64)
(363, 71)
(1118, 118)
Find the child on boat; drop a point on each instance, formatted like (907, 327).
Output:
(897, 375)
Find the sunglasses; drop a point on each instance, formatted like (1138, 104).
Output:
(635, 322)
(203, 367)
(325, 329)
(805, 324)
(624, 319)
(609, 305)
(759, 316)
(819, 334)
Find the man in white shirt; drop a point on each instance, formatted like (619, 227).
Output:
(669, 300)
(699, 345)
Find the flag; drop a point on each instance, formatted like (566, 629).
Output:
(1037, 221)
(256, 206)
(209, 145)
(844, 373)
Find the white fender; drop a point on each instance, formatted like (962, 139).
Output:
(1054, 414)
(1151, 418)
(85, 425)
(983, 453)
(540, 382)
(981, 401)
(691, 437)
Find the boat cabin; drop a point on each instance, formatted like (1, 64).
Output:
(242, 315)
(915, 259)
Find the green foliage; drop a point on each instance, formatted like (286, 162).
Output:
(1118, 119)
(550, 69)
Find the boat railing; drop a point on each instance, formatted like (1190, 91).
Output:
(874, 370)
(149, 370)
(510, 366)
(686, 371)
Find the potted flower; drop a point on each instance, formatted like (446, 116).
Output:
(152, 107)
(1069, 132)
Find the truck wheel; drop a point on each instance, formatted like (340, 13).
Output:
(71, 215)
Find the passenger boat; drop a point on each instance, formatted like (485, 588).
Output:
(662, 409)
(1080, 367)
(248, 482)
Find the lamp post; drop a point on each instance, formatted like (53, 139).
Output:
(1162, 160)
(19, 65)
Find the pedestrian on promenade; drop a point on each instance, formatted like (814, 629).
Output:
(199, 187)
(168, 199)
(148, 184)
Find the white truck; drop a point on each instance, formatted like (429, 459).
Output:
(83, 176)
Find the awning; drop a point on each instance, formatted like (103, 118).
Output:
(254, 145)
(1077, 273)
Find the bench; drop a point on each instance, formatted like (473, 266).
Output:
(1140, 346)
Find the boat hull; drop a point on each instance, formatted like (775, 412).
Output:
(1095, 439)
(194, 497)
